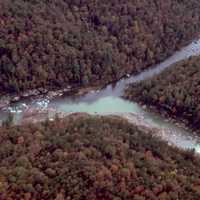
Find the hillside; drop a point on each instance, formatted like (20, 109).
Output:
(98, 158)
(53, 44)
(175, 92)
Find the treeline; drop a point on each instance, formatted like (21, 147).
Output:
(53, 44)
(175, 92)
(97, 158)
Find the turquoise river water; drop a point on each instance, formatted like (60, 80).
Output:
(109, 101)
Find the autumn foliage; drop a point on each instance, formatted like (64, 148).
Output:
(175, 92)
(53, 44)
(96, 158)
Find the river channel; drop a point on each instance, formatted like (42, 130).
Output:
(109, 101)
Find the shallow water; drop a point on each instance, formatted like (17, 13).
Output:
(108, 100)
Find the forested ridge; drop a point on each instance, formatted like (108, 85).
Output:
(53, 44)
(175, 92)
(98, 158)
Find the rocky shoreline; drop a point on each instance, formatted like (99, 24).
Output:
(32, 115)
(6, 100)
(35, 115)
(173, 119)
(38, 116)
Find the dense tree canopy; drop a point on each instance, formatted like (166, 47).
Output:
(98, 158)
(176, 91)
(47, 43)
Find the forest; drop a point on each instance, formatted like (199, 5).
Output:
(175, 92)
(92, 157)
(52, 44)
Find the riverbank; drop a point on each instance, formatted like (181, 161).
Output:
(7, 100)
(84, 156)
(50, 94)
(109, 99)
(170, 118)
(33, 116)
(86, 54)
(174, 93)
(172, 136)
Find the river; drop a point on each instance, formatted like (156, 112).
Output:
(109, 101)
